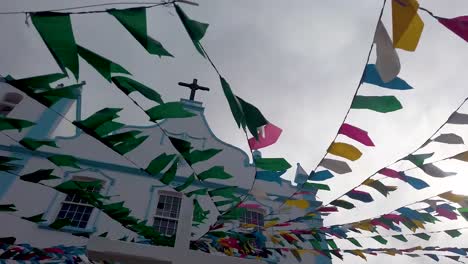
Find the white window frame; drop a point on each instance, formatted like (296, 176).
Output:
(254, 210)
(57, 202)
(153, 208)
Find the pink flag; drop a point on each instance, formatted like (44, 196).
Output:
(391, 173)
(356, 134)
(446, 213)
(459, 25)
(376, 222)
(249, 206)
(270, 135)
(394, 217)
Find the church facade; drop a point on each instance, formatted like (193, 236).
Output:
(166, 210)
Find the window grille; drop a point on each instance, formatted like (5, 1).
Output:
(167, 214)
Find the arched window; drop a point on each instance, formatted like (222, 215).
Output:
(8, 103)
(75, 209)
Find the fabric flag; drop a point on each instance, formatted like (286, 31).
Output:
(234, 104)
(407, 25)
(458, 119)
(128, 86)
(458, 25)
(336, 166)
(301, 204)
(449, 139)
(371, 75)
(381, 104)
(387, 64)
(416, 183)
(271, 176)
(379, 186)
(392, 173)
(301, 175)
(344, 150)
(270, 135)
(104, 66)
(168, 110)
(56, 31)
(461, 156)
(134, 20)
(435, 171)
(356, 133)
(418, 159)
(320, 175)
(195, 29)
(252, 116)
(343, 204)
(362, 196)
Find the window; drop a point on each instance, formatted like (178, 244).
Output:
(10, 100)
(252, 217)
(76, 209)
(167, 213)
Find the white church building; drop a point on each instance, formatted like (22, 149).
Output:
(168, 211)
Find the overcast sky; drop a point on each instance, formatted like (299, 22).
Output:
(298, 61)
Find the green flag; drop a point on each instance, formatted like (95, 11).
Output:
(7, 208)
(104, 66)
(7, 123)
(343, 204)
(134, 20)
(99, 118)
(400, 237)
(382, 104)
(216, 172)
(170, 174)
(56, 31)
(34, 144)
(35, 218)
(128, 85)
(64, 160)
(202, 155)
(234, 104)
(168, 110)
(380, 239)
(159, 163)
(253, 117)
(60, 223)
(39, 175)
(186, 184)
(272, 164)
(52, 96)
(196, 30)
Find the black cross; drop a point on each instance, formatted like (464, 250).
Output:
(193, 87)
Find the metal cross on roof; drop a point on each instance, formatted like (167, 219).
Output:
(193, 87)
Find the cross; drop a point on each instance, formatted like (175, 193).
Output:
(193, 87)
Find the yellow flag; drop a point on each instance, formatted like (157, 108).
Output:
(359, 253)
(462, 156)
(407, 25)
(456, 198)
(302, 204)
(271, 223)
(344, 150)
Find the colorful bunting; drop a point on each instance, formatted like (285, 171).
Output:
(382, 104)
(272, 164)
(388, 63)
(321, 175)
(216, 172)
(343, 204)
(271, 176)
(234, 104)
(379, 186)
(270, 135)
(301, 204)
(336, 166)
(356, 133)
(371, 76)
(134, 20)
(407, 25)
(104, 66)
(196, 30)
(252, 116)
(458, 25)
(435, 171)
(344, 150)
(360, 196)
(57, 33)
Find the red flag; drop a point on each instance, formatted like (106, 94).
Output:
(270, 135)
(459, 25)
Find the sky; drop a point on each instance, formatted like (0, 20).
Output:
(300, 62)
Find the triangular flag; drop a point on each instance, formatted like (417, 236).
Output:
(458, 119)
(320, 175)
(104, 66)
(356, 133)
(270, 135)
(388, 63)
(458, 25)
(371, 75)
(362, 196)
(195, 29)
(449, 139)
(301, 175)
(271, 176)
(344, 150)
(57, 33)
(435, 171)
(336, 166)
(407, 25)
(134, 20)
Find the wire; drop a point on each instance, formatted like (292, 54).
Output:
(151, 5)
